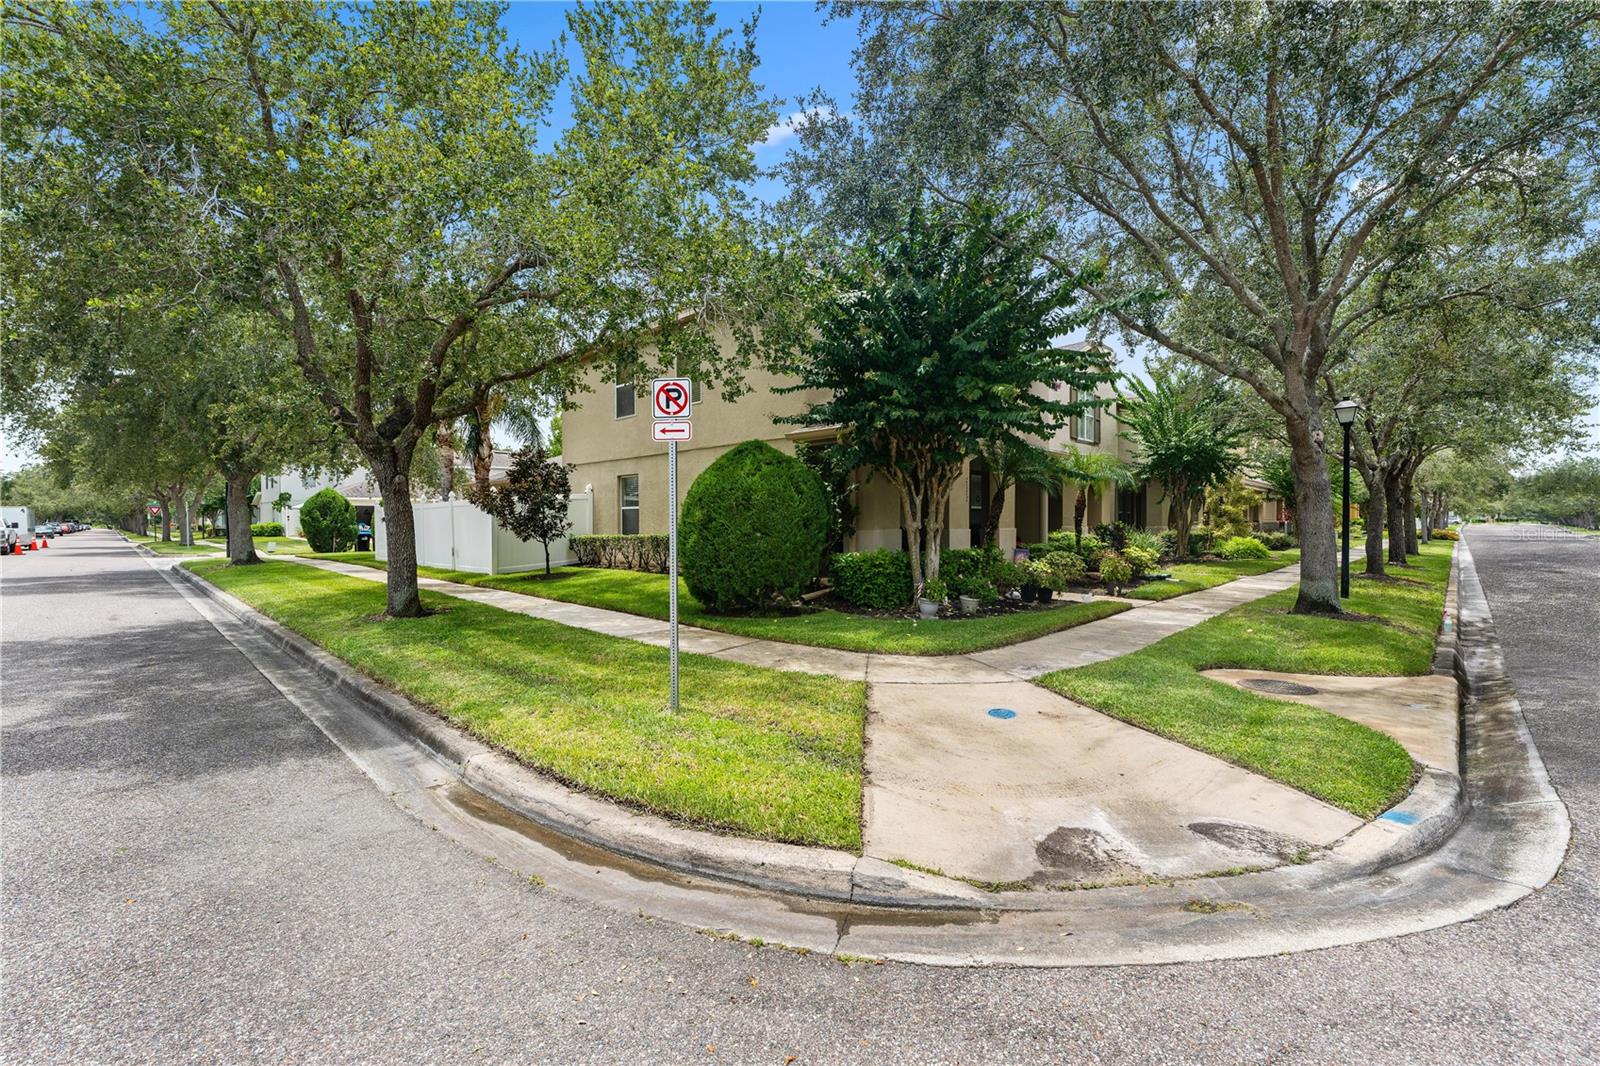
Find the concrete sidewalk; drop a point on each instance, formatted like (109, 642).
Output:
(1104, 638)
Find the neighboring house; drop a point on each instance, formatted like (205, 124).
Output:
(606, 437)
(357, 487)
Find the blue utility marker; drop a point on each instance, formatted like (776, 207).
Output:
(1399, 818)
(1002, 712)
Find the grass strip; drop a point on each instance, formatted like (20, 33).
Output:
(1195, 577)
(754, 751)
(1390, 632)
(632, 592)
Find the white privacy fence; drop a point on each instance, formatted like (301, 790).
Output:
(456, 535)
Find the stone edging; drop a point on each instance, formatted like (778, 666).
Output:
(1427, 816)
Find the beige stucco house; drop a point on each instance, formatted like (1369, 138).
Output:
(606, 437)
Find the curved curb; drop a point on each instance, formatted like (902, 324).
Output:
(1427, 816)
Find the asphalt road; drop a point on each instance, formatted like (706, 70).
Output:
(192, 872)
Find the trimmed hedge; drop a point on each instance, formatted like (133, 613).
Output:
(329, 522)
(754, 526)
(622, 551)
(266, 529)
(879, 579)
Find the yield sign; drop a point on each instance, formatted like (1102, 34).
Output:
(669, 397)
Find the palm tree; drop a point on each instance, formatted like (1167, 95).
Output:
(1187, 440)
(1086, 471)
(1013, 462)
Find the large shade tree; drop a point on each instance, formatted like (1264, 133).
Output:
(1274, 167)
(383, 171)
(939, 343)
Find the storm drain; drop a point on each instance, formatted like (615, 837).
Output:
(1278, 687)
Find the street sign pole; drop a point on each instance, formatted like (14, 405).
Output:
(672, 561)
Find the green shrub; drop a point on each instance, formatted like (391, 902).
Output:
(329, 522)
(1243, 548)
(1065, 567)
(1142, 560)
(1150, 542)
(1113, 535)
(1202, 539)
(1115, 571)
(1010, 576)
(1446, 534)
(970, 572)
(266, 529)
(754, 526)
(1088, 549)
(1276, 541)
(622, 551)
(935, 589)
(880, 580)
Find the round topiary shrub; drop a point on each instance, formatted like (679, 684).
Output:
(753, 528)
(329, 522)
(1243, 548)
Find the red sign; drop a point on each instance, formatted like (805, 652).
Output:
(670, 397)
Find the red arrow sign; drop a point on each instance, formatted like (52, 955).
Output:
(674, 429)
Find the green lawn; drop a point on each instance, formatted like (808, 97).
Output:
(633, 592)
(269, 546)
(755, 751)
(1193, 577)
(162, 547)
(1330, 757)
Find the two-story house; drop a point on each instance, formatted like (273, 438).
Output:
(606, 437)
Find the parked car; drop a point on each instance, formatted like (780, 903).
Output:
(45, 530)
(8, 539)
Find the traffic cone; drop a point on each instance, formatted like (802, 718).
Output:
(44, 542)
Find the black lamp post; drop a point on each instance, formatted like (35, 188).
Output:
(1345, 411)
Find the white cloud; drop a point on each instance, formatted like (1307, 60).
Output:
(784, 129)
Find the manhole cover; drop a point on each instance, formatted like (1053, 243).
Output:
(1002, 712)
(1277, 687)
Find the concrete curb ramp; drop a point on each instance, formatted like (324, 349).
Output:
(1433, 860)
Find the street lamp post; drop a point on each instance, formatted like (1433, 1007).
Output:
(1345, 411)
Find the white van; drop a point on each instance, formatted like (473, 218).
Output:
(18, 520)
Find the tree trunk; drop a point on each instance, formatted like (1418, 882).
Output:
(1408, 493)
(1313, 507)
(194, 513)
(483, 457)
(1080, 505)
(1374, 519)
(166, 519)
(444, 437)
(394, 486)
(1180, 516)
(241, 542)
(991, 517)
(1397, 533)
(911, 523)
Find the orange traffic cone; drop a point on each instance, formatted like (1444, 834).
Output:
(44, 542)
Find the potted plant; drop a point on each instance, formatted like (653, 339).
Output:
(1039, 580)
(972, 592)
(934, 593)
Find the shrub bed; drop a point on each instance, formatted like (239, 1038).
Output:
(622, 551)
(266, 529)
(1243, 548)
(880, 579)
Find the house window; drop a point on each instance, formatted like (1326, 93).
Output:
(628, 503)
(625, 400)
(1086, 424)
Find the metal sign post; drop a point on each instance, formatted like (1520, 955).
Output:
(671, 404)
(672, 561)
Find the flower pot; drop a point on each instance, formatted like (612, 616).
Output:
(928, 608)
(969, 604)
(1043, 595)
(1088, 596)
(1030, 593)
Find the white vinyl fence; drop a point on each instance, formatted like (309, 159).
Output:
(456, 535)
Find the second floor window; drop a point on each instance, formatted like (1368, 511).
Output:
(1086, 423)
(625, 400)
(628, 503)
